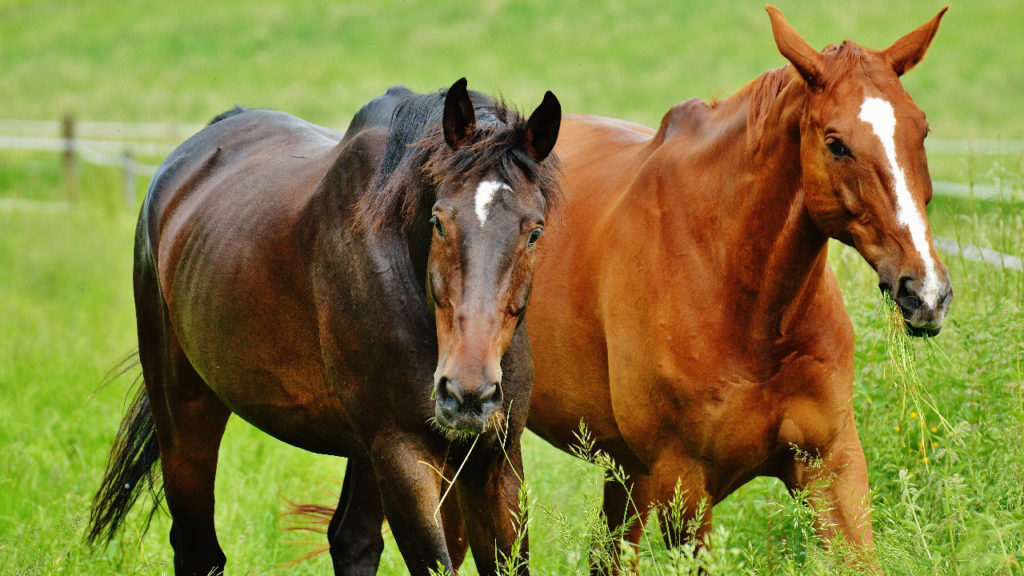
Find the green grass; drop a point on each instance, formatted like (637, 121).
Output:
(136, 61)
(66, 310)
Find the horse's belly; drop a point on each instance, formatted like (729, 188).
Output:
(256, 345)
(291, 402)
(570, 386)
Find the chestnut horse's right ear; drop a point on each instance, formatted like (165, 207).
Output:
(909, 50)
(800, 54)
(459, 119)
(542, 127)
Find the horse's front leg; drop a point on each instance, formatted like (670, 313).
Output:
(837, 489)
(408, 472)
(488, 491)
(355, 529)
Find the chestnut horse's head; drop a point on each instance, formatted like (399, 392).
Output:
(864, 171)
(492, 196)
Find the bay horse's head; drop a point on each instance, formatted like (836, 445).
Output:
(492, 194)
(864, 171)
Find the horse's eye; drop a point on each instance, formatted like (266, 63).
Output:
(534, 235)
(437, 226)
(836, 147)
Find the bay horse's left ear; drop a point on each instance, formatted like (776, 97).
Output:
(542, 127)
(459, 119)
(906, 52)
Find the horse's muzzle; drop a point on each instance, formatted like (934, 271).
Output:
(922, 313)
(463, 410)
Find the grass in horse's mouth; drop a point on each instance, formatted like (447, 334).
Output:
(904, 376)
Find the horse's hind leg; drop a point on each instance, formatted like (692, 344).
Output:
(354, 531)
(189, 421)
(189, 466)
(626, 507)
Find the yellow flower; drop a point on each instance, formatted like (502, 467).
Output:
(934, 429)
(897, 427)
(924, 459)
(913, 415)
(935, 444)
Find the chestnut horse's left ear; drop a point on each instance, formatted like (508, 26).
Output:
(906, 52)
(807, 61)
(542, 127)
(459, 119)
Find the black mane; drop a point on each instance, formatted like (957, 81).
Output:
(417, 159)
(225, 115)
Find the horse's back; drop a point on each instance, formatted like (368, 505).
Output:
(587, 135)
(235, 161)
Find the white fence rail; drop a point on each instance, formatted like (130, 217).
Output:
(152, 131)
(119, 144)
(114, 144)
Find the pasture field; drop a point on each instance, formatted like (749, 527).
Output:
(942, 420)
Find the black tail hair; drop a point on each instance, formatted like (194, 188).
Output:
(130, 466)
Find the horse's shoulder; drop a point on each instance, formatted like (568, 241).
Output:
(367, 144)
(357, 156)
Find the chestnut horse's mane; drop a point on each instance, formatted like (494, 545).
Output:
(765, 90)
(417, 159)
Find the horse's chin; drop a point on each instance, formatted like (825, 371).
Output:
(461, 428)
(922, 331)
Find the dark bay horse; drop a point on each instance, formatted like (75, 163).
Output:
(358, 295)
(689, 316)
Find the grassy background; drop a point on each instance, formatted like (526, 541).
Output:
(948, 501)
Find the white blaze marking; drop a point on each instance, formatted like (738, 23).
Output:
(484, 194)
(879, 114)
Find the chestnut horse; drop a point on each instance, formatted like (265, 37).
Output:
(358, 295)
(689, 316)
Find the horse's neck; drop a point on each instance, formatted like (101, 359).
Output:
(770, 245)
(791, 255)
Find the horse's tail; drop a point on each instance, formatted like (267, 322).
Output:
(313, 518)
(130, 465)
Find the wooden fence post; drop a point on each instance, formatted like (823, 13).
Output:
(70, 164)
(128, 167)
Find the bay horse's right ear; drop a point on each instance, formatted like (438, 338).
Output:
(542, 127)
(459, 119)
(803, 57)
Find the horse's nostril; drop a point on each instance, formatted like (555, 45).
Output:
(451, 390)
(906, 298)
(911, 302)
(488, 391)
(885, 287)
